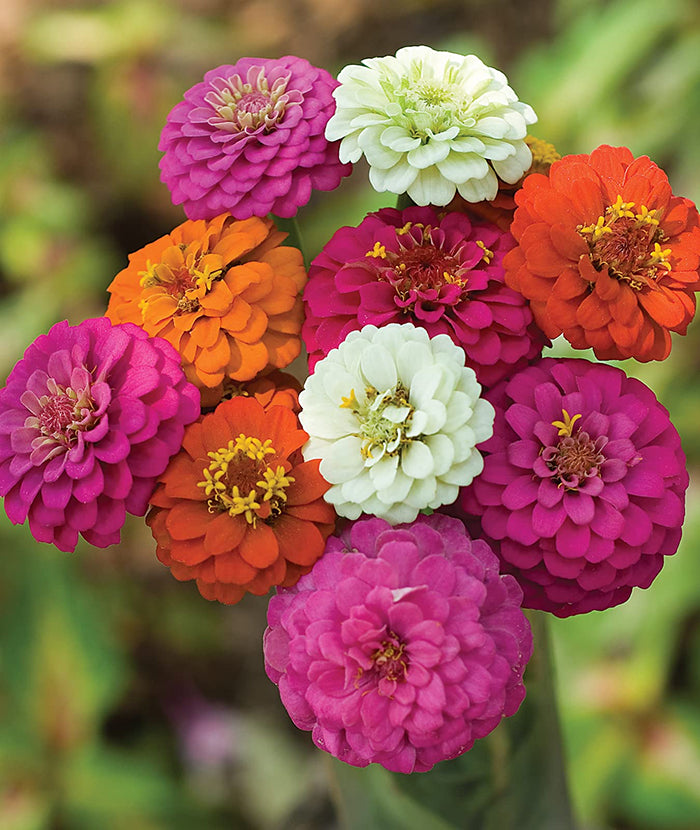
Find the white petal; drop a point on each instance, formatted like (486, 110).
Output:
(396, 179)
(443, 452)
(482, 422)
(464, 473)
(417, 460)
(424, 384)
(383, 473)
(437, 415)
(459, 411)
(399, 139)
(458, 167)
(378, 367)
(411, 358)
(342, 460)
(376, 154)
(358, 489)
(512, 168)
(479, 190)
(425, 155)
(396, 513)
(432, 188)
(422, 492)
(446, 494)
(397, 490)
(328, 422)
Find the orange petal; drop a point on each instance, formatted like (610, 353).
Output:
(299, 541)
(215, 358)
(188, 520)
(224, 534)
(259, 546)
(229, 567)
(237, 316)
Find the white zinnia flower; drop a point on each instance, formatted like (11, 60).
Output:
(394, 416)
(430, 123)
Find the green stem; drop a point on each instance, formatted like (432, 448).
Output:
(514, 779)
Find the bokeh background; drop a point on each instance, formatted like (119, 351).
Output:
(128, 701)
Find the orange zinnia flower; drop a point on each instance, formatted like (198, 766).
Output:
(224, 293)
(608, 256)
(238, 509)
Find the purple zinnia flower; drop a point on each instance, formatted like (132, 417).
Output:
(88, 420)
(583, 487)
(249, 140)
(441, 272)
(402, 646)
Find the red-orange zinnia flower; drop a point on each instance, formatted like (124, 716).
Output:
(223, 292)
(273, 389)
(238, 509)
(607, 254)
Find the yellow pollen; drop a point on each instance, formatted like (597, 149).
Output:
(620, 209)
(598, 229)
(566, 427)
(452, 280)
(252, 447)
(274, 483)
(378, 252)
(544, 154)
(659, 256)
(406, 228)
(646, 216)
(488, 254)
(350, 402)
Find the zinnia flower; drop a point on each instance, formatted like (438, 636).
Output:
(608, 256)
(444, 274)
(224, 293)
(394, 416)
(431, 124)
(583, 487)
(88, 420)
(238, 509)
(403, 645)
(249, 140)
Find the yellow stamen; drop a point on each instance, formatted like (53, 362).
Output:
(488, 254)
(378, 252)
(350, 402)
(566, 427)
(659, 256)
(620, 209)
(274, 483)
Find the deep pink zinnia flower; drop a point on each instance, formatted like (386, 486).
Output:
(402, 646)
(249, 140)
(412, 266)
(88, 420)
(583, 487)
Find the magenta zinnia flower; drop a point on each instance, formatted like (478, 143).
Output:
(88, 420)
(249, 140)
(583, 487)
(412, 266)
(402, 646)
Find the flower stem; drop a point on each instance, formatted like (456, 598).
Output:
(291, 228)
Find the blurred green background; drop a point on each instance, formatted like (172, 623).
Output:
(126, 700)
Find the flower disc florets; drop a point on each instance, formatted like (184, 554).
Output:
(583, 488)
(403, 645)
(394, 416)
(443, 273)
(249, 140)
(431, 124)
(89, 419)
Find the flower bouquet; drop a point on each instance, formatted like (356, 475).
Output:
(436, 474)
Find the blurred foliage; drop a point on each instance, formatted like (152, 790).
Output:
(126, 700)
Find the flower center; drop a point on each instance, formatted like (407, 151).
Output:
(422, 267)
(628, 243)
(251, 104)
(239, 481)
(390, 659)
(384, 421)
(61, 414)
(183, 273)
(576, 456)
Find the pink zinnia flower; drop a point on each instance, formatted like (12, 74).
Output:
(89, 419)
(412, 266)
(249, 140)
(402, 646)
(583, 487)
